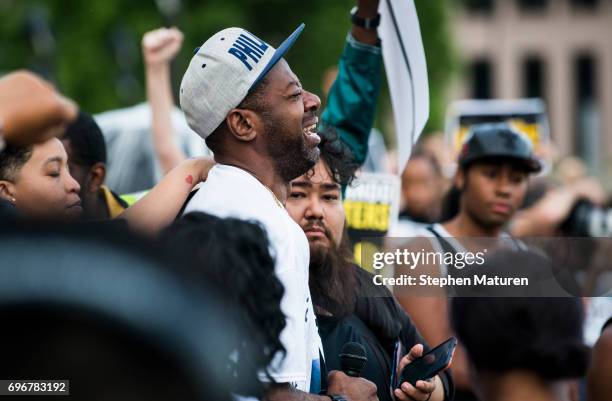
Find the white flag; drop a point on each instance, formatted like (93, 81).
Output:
(406, 70)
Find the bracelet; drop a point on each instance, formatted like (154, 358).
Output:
(367, 23)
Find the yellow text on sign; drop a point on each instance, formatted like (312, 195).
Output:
(367, 216)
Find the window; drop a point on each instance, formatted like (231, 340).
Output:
(584, 4)
(533, 77)
(585, 77)
(586, 109)
(532, 5)
(479, 6)
(481, 76)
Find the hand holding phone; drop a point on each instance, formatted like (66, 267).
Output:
(428, 365)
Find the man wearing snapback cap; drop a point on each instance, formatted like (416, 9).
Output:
(240, 95)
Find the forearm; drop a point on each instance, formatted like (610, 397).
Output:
(30, 109)
(160, 206)
(351, 105)
(527, 223)
(461, 370)
(159, 95)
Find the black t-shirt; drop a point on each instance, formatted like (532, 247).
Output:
(379, 324)
(335, 333)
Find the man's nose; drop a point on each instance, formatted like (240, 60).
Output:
(314, 209)
(312, 102)
(72, 185)
(503, 184)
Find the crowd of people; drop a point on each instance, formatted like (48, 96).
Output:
(233, 277)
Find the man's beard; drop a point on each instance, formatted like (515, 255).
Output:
(291, 156)
(332, 278)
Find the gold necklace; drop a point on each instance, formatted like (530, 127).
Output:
(278, 202)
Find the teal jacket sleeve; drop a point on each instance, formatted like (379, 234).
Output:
(352, 100)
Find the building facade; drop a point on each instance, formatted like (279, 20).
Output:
(558, 50)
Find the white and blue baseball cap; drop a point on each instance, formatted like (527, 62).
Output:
(222, 72)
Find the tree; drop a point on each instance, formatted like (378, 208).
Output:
(91, 49)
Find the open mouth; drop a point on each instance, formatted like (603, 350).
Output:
(310, 132)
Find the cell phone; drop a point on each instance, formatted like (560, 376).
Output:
(429, 364)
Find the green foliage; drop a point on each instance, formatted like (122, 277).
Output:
(434, 20)
(96, 57)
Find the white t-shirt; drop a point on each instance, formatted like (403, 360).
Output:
(406, 228)
(233, 192)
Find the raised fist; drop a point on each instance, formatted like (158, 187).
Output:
(161, 45)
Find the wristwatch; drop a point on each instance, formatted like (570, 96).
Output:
(367, 23)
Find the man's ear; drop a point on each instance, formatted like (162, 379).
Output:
(95, 179)
(7, 191)
(243, 124)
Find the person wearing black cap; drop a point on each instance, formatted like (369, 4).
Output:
(494, 165)
(490, 152)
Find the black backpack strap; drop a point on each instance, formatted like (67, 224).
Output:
(324, 373)
(191, 195)
(518, 244)
(446, 246)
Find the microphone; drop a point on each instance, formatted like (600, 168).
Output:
(353, 359)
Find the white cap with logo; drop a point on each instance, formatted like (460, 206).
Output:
(222, 72)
